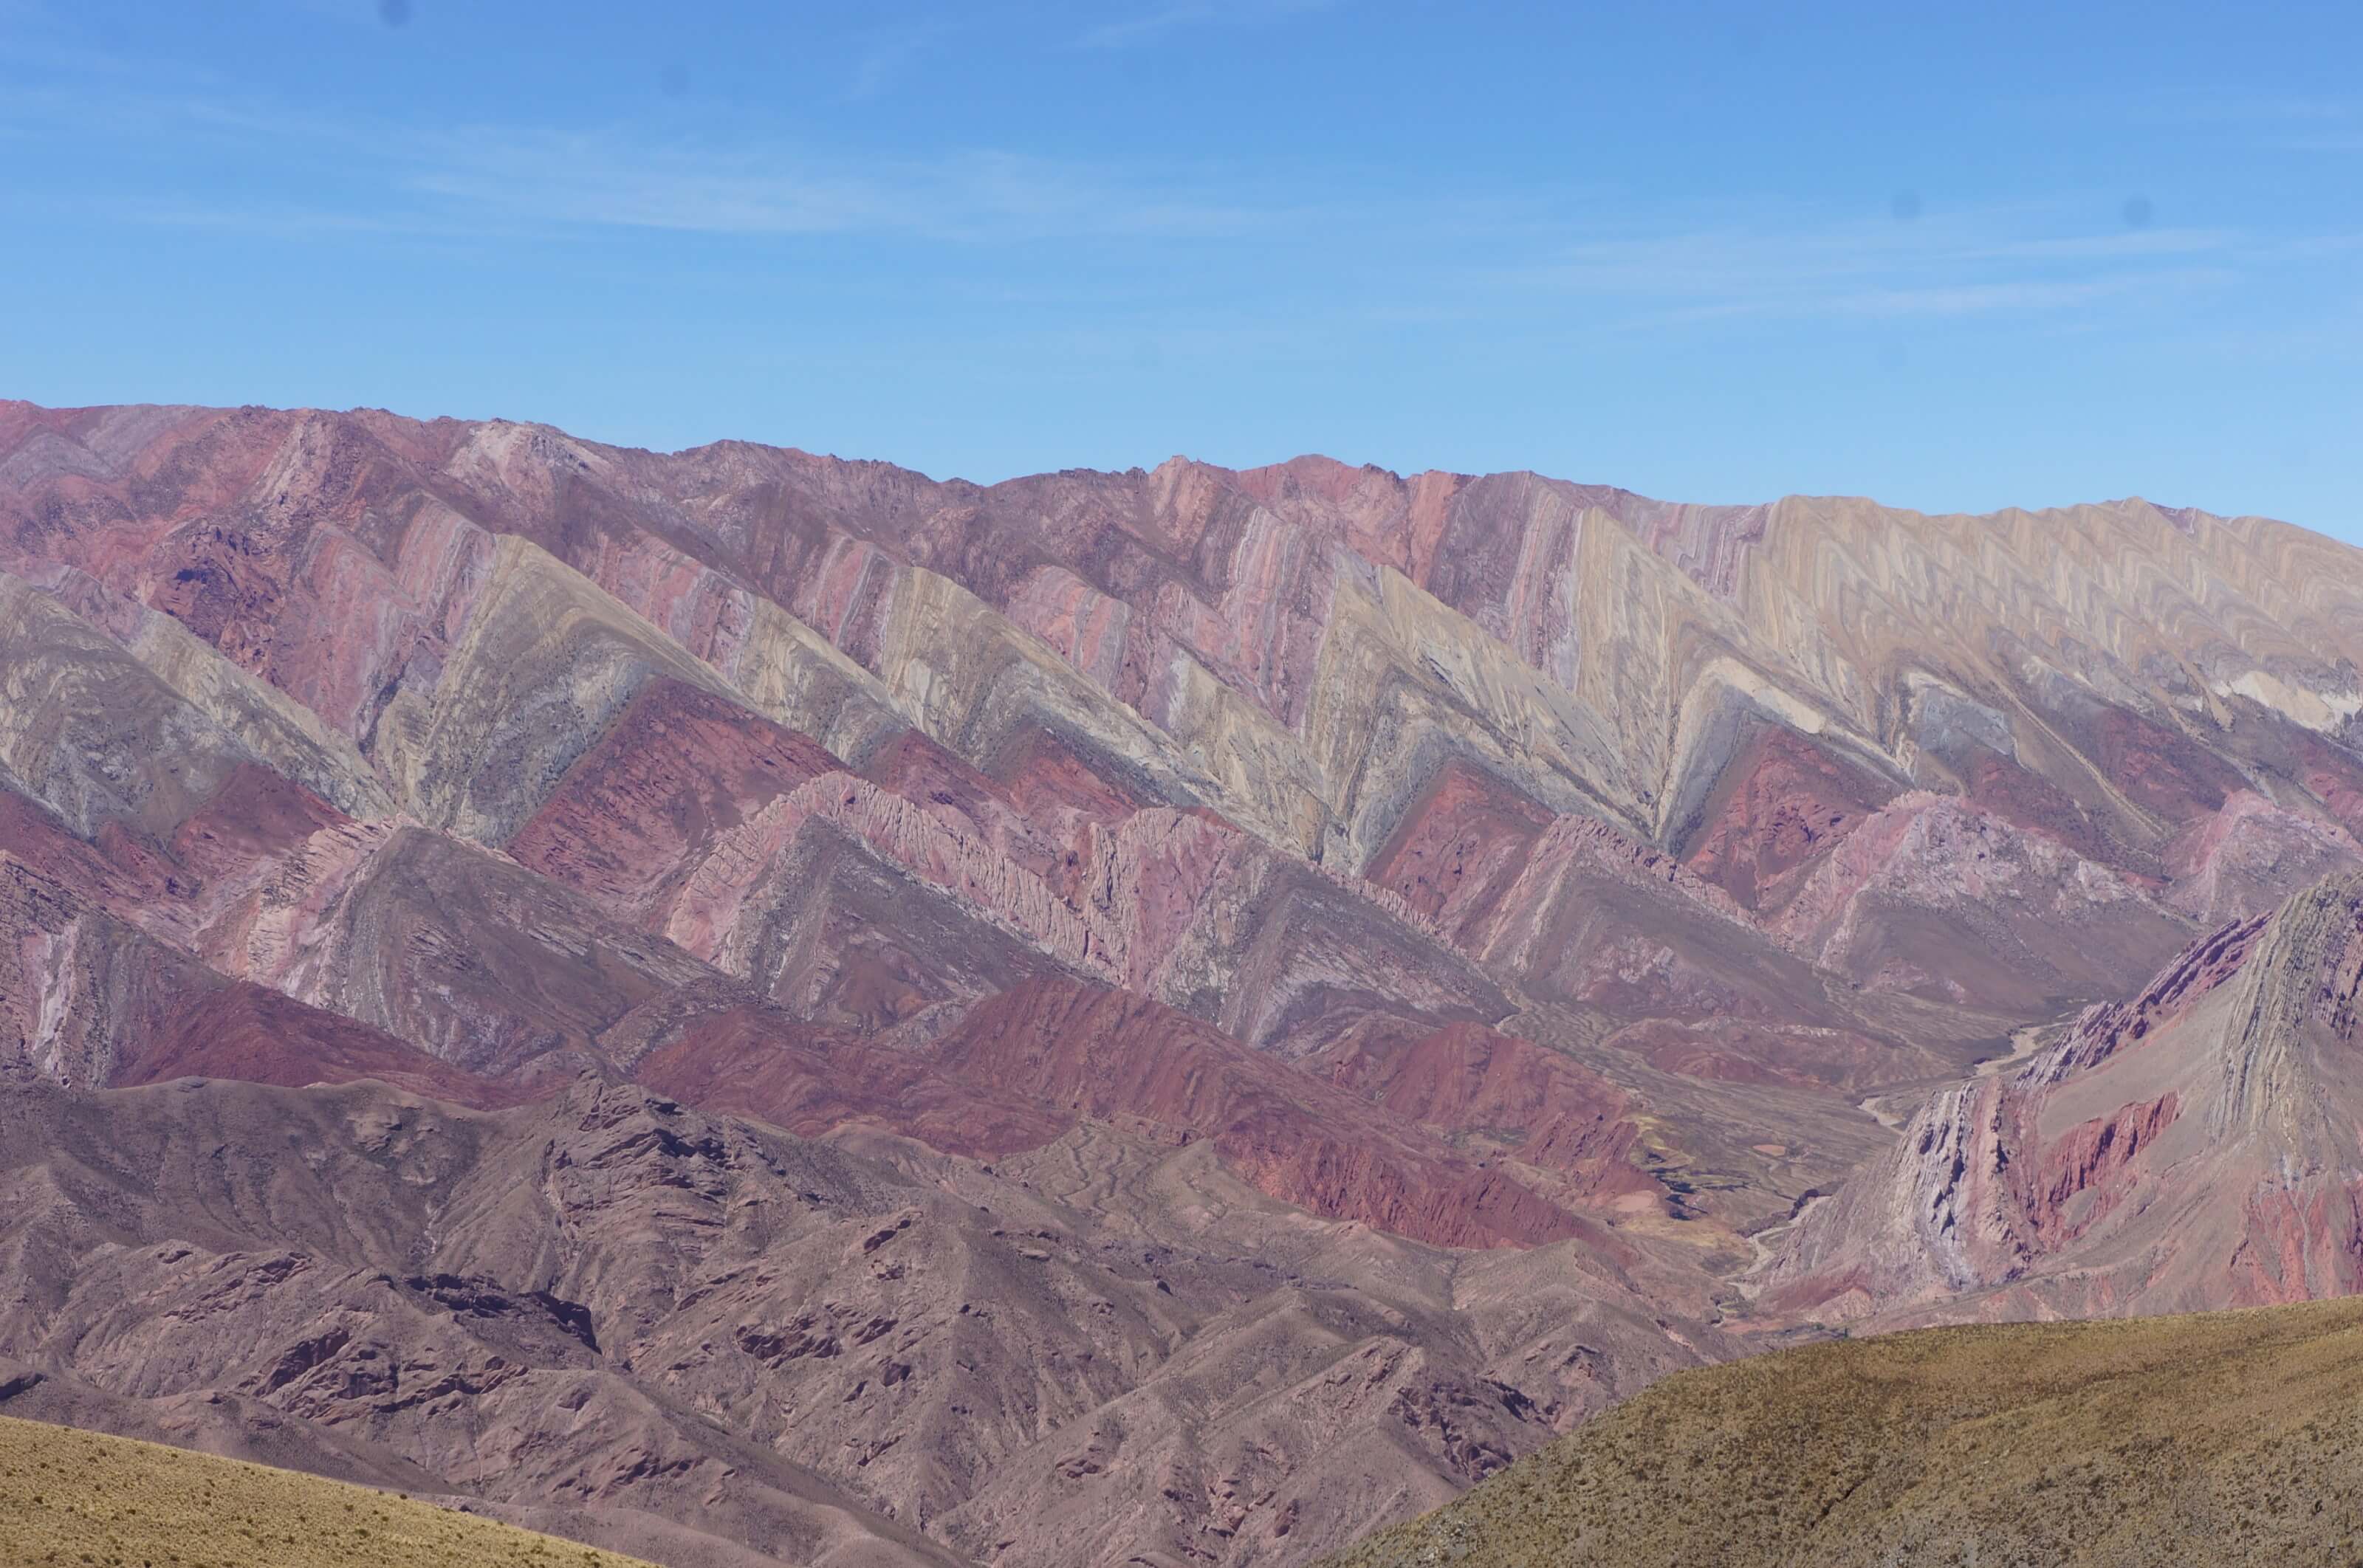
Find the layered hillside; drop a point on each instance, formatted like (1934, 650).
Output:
(2228, 1439)
(1429, 933)
(704, 1340)
(2195, 1145)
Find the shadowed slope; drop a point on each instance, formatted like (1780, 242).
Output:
(604, 1308)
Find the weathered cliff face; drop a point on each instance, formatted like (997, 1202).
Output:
(1933, 895)
(1496, 900)
(2191, 1147)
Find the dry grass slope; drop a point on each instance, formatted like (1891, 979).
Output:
(2220, 1438)
(85, 1501)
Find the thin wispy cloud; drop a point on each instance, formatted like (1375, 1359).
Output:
(2308, 124)
(2108, 247)
(2258, 120)
(2024, 258)
(453, 181)
(625, 176)
(1609, 262)
(1129, 30)
(1144, 25)
(619, 180)
(1977, 299)
(2239, 108)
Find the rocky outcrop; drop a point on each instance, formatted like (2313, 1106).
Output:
(1933, 895)
(1490, 1091)
(1438, 925)
(850, 904)
(632, 817)
(2188, 1148)
(606, 1306)
(2103, 1029)
(1109, 1056)
(2250, 855)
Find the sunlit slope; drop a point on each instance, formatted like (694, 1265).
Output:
(2223, 1438)
(71, 1496)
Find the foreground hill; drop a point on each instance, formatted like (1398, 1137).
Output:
(1343, 972)
(2228, 1438)
(76, 1497)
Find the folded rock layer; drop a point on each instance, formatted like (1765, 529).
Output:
(1159, 1016)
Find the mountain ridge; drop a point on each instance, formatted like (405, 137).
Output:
(1379, 907)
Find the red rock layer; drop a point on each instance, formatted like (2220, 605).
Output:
(244, 1032)
(2026, 798)
(1459, 846)
(1111, 1054)
(678, 768)
(1783, 803)
(2089, 1169)
(2188, 1148)
(2299, 1244)
(1467, 1080)
(1038, 813)
(753, 1061)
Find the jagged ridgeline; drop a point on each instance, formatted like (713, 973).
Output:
(1172, 1014)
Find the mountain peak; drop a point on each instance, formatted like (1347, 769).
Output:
(1114, 1016)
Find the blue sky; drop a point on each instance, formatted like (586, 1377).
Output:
(2004, 255)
